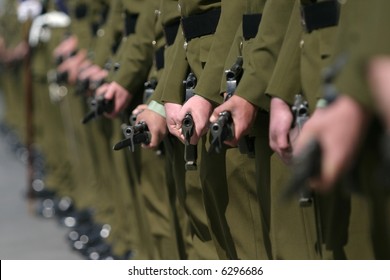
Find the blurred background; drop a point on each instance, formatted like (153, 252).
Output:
(23, 234)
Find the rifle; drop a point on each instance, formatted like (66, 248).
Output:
(95, 84)
(189, 85)
(149, 86)
(99, 106)
(190, 151)
(307, 165)
(58, 80)
(188, 126)
(223, 128)
(82, 86)
(135, 135)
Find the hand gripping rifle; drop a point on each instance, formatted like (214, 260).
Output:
(307, 164)
(223, 128)
(135, 135)
(57, 80)
(99, 106)
(149, 88)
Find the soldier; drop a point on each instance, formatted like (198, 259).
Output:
(196, 234)
(111, 202)
(13, 50)
(49, 130)
(219, 198)
(259, 60)
(134, 59)
(339, 245)
(352, 132)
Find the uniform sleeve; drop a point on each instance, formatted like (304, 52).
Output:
(367, 42)
(209, 82)
(261, 60)
(137, 57)
(169, 14)
(107, 34)
(177, 68)
(285, 80)
(231, 58)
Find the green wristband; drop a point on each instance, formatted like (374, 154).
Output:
(157, 107)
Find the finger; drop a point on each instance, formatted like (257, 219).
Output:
(177, 133)
(214, 116)
(302, 141)
(286, 156)
(333, 165)
(102, 89)
(110, 92)
(139, 109)
(232, 143)
(179, 116)
(282, 141)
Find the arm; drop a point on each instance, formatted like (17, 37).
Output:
(207, 91)
(259, 61)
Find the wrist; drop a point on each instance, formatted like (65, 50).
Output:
(157, 108)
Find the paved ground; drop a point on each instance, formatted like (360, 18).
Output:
(23, 235)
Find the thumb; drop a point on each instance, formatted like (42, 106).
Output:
(180, 116)
(102, 89)
(110, 93)
(214, 116)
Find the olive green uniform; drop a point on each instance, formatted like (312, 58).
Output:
(118, 202)
(49, 130)
(293, 231)
(187, 184)
(259, 60)
(344, 219)
(12, 78)
(237, 200)
(206, 56)
(135, 57)
(186, 187)
(317, 221)
(361, 39)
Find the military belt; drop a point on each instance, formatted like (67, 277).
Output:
(130, 22)
(159, 58)
(320, 15)
(80, 11)
(170, 32)
(200, 25)
(250, 25)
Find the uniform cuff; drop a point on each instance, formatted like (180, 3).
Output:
(157, 108)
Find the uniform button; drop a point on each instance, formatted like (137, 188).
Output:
(185, 45)
(157, 12)
(301, 44)
(100, 32)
